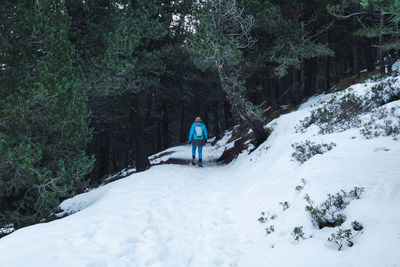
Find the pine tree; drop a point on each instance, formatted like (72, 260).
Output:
(221, 31)
(379, 22)
(293, 37)
(43, 115)
(132, 63)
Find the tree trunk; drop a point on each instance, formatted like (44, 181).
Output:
(311, 81)
(272, 93)
(302, 79)
(327, 73)
(231, 91)
(395, 54)
(159, 136)
(226, 115)
(369, 58)
(141, 161)
(295, 85)
(258, 129)
(356, 63)
(380, 50)
(327, 65)
(216, 118)
(165, 137)
(182, 123)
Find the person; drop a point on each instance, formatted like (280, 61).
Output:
(198, 137)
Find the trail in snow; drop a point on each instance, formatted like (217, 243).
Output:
(139, 231)
(177, 215)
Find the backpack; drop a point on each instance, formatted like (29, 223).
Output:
(199, 131)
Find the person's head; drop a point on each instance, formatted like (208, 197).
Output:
(198, 119)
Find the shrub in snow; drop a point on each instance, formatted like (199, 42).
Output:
(343, 112)
(385, 92)
(269, 230)
(356, 226)
(329, 213)
(356, 193)
(298, 234)
(341, 237)
(384, 122)
(299, 188)
(305, 150)
(285, 205)
(264, 219)
(338, 114)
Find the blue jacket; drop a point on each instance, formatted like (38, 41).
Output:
(192, 134)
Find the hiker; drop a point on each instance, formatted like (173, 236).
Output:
(198, 137)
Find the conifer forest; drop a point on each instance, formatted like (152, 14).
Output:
(90, 87)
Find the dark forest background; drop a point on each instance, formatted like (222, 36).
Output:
(92, 87)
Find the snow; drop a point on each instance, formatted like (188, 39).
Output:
(177, 215)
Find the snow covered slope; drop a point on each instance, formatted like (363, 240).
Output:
(177, 215)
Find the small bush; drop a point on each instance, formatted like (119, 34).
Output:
(339, 237)
(285, 205)
(269, 230)
(342, 237)
(338, 114)
(356, 226)
(264, 218)
(383, 122)
(329, 213)
(343, 112)
(385, 92)
(356, 192)
(299, 188)
(298, 234)
(306, 150)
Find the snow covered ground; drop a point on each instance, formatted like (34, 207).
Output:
(177, 215)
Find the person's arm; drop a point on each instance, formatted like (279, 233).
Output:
(191, 133)
(205, 132)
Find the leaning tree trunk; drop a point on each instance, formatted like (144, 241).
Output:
(238, 103)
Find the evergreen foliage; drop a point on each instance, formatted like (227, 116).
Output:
(131, 68)
(298, 234)
(344, 237)
(220, 32)
(329, 213)
(43, 115)
(307, 149)
(292, 38)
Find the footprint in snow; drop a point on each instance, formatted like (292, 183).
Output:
(381, 149)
